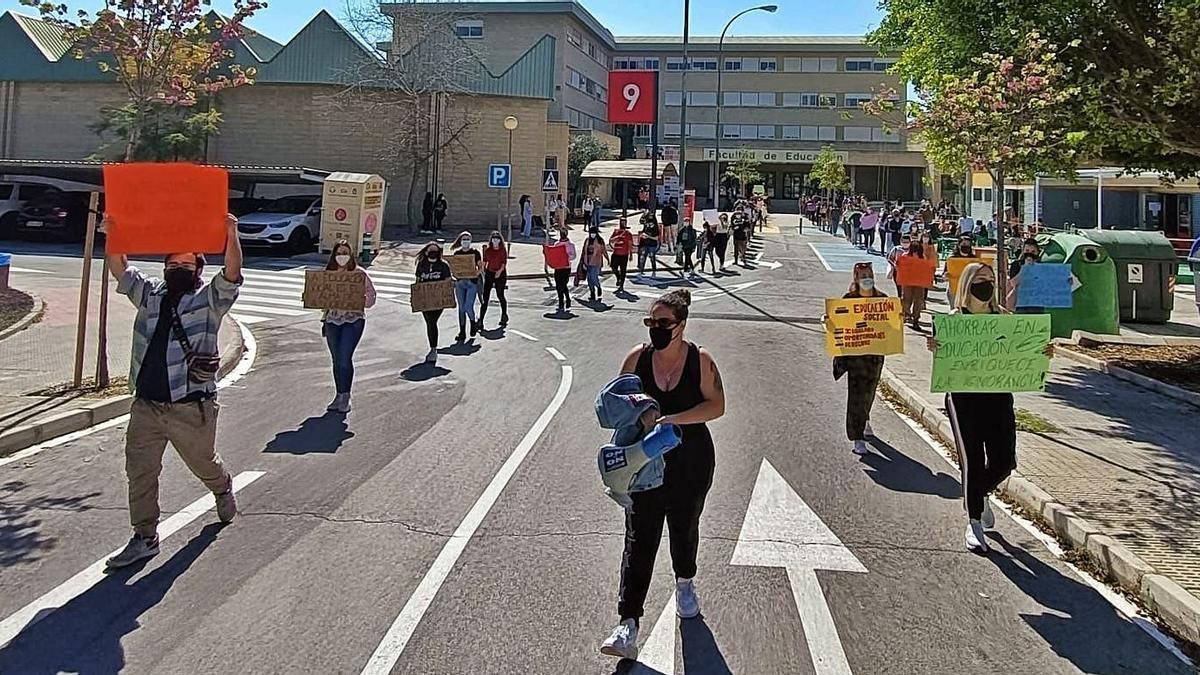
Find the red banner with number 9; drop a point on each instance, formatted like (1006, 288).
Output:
(632, 97)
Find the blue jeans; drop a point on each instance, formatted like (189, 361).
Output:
(650, 252)
(527, 230)
(343, 340)
(593, 277)
(596, 216)
(465, 292)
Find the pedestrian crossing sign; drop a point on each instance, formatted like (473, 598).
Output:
(550, 180)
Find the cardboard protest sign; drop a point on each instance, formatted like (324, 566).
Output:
(954, 269)
(990, 352)
(1044, 285)
(165, 208)
(860, 326)
(463, 266)
(557, 257)
(335, 289)
(914, 271)
(427, 296)
(711, 216)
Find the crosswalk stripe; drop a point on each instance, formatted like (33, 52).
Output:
(298, 285)
(294, 301)
(259, 309)
(299, 272)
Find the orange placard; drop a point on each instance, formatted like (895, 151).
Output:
(165, 208)
(914, 271)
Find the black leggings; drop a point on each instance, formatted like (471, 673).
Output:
(499, 282)
(722, 242)
(985, 431)
(620, 268)
(431, 327)
(687, 261)
(561, 279)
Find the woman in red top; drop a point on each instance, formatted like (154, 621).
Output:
(621, 243)
(495, 275)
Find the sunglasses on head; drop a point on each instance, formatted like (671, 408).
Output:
(651, 322)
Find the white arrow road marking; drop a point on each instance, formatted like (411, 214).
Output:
(658, 654)
(780, 530)
(713, 294)
(400, 632)
(95, 573)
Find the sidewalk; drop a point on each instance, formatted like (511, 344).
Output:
(43, 356)
(1122, 464)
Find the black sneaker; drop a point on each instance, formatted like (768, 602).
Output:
(503, 319)
(461, 337)
(475, 328)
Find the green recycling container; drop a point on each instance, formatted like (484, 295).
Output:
(1094, 308)
(1146, 266)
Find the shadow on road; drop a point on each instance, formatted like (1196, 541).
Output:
(1078, 624)
(897, 472)
(84, 635)
(461, 348)
(701, 653)
(21, 539)
(423, 372)
(324, 434)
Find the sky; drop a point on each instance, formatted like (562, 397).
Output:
(283, 18)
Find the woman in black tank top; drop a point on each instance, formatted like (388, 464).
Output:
(684, 380)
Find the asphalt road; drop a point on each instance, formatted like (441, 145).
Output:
(350, 516)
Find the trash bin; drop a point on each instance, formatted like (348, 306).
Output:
(5, 262)
(1146, 266)
(1094, 302)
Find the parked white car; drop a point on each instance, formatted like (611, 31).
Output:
(293, 223)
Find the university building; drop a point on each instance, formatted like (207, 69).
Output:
(782, 98)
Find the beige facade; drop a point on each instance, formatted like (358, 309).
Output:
(300, 125)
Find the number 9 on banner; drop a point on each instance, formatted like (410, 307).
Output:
(637, 102)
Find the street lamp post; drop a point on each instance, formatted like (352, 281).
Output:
(720, 70)
(511, 124)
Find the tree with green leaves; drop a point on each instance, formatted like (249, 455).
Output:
(1134, 64)
(583, 150)
(745, 171)
(1013, 116)
(829, 171)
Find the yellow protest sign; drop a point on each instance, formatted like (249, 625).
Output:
(862, 326)
(955, 267)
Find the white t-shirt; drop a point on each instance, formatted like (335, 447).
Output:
(966, 225)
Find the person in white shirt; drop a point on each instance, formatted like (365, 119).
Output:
(966, 225)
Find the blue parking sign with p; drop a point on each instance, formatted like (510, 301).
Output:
(499, 175)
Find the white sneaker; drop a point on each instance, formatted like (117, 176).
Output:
(860, 448)
(988, 520)
(975, 540)
(344, 405)
(687, 605)
(623, 641)
(868, 431)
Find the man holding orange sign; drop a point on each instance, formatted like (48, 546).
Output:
(914, 274)
(173, 373)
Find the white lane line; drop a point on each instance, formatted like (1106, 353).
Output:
(1122, 605)
(253, 296)
(556, 354)
(94, 573)
(658, 654)
(277, 311)
(820, 631)
(29, 271)
(239, 371)
(820, 257)
(527, 336)
(398, 634)
(299, 272)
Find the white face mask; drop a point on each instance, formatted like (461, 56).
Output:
(466, 243)
(341, 259)
(866, 283)
(495, 243)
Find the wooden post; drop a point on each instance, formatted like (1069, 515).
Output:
(89, 245)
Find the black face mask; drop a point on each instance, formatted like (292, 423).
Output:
(180, 280)
(435, 255)
(965, 248)
(983, 290)
(661, 338)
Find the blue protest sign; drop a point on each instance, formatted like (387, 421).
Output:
(1044, 285)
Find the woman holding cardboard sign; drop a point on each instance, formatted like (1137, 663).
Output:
(344, 328)
(466, 286)
(432, 268)
(863, 371)
(985, 424)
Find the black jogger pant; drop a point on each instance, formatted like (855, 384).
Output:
(985, 431)
(500, 283)
(620, 268)
(431, 327)
(862, 379)
(561, 279)
(722, 241)
(680, 508)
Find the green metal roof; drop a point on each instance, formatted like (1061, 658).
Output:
(323, 52)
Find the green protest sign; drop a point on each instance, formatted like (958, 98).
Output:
(990, 352)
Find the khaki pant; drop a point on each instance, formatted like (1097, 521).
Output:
(192, 429)
(912, 300)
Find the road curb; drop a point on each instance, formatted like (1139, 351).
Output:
(24, 322)
(93, 413)
(1174, 606)
(1168, 390)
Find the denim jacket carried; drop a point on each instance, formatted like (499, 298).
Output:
(619, 406)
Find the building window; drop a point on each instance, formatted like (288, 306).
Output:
(791, 100)
(731, 131)
(733, 64)
(810, 65)
(827, 101)
(575, 38)
(766, 99)
(869, 65)
(469, 29)
(808, 133)
(856, 100)
(829, 65)
(827, 133)
(791, 132)
(731, 99)
(856, 133)
(981, 194)
(675, 63)
(766, 131)
(702, 130)
(651, 63)
(881, 65)
(673, 98)
(767, 65)
(702, 98)
(704, 64)
(883, 135)
(793, 185)
(791, 65)
(551, 162)
(670, 130)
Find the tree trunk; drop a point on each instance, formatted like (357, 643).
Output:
(1001, 251)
